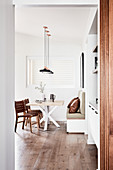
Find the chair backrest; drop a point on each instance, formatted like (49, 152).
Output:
(81, 96)
(19, 106)
(26, 101)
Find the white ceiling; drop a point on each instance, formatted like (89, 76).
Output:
(63, 22)
(55, 2)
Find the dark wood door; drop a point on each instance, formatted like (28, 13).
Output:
(106, 84)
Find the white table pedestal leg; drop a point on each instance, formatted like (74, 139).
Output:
(47, 116)
(42, 119)
(46, 122)
(57, 125)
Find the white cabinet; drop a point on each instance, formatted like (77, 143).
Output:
(93, 125)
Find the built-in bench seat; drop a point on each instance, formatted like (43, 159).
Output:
(75, 115)
(76, 122)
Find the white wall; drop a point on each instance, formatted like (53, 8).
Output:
(6, 85)
(27, 45)
(91, 79)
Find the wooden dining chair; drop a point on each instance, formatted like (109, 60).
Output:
(21, 113)
(32, 112)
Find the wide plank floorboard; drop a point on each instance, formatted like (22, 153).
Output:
(53, 150)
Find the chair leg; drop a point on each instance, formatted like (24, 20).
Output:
(23, 123)
(40, 117)
(16, 124)
(30, 125)
(37, 120)
(26, 121)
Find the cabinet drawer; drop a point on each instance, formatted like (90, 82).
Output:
(93, 123)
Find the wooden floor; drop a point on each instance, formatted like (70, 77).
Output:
(53, 150)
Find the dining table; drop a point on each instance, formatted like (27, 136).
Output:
(44, 106)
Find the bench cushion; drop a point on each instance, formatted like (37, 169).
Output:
(76, 115)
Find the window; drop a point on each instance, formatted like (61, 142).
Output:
(63, 68)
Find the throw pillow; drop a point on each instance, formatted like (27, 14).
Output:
(71, 102)
(74, 106)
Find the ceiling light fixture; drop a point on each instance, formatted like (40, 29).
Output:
(46, 52)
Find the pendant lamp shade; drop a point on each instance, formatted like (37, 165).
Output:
(46, 70)
(46, 52)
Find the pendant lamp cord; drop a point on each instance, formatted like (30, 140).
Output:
(44, 47)
(48, 51)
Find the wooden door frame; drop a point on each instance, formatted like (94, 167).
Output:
(106, 84)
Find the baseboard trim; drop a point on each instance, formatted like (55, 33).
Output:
(90, 142)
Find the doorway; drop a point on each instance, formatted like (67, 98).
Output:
(22, 38)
